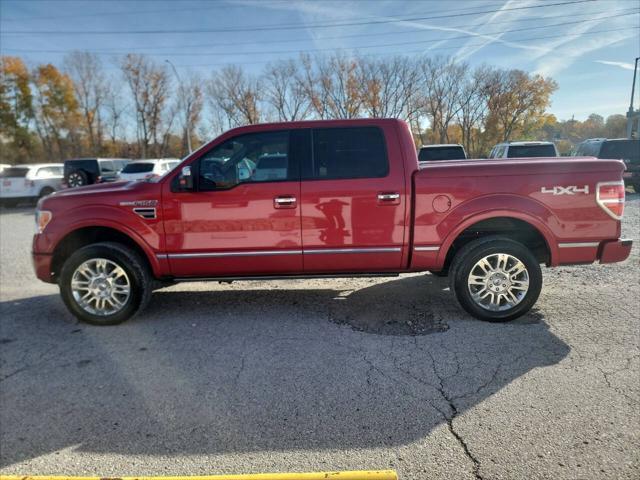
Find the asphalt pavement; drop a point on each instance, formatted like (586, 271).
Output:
(323, 375)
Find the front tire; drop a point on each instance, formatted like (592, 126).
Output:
(105, 283)
(496, 279)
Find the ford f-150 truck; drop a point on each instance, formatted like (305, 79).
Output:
(327, 199)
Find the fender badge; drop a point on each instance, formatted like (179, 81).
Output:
(139, 203)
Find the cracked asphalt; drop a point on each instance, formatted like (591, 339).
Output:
(288, 376)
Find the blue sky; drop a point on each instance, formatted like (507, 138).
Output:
(588, 47)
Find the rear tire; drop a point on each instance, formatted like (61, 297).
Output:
(77, 178)
(45, 191)
(105, 283)
(496, 279)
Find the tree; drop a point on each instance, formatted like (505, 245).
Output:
(189, 107)
(237, 95)
(473, 109)
(443, 83)
(388, 88)
(85, 69)
(615, 126)
(516, 101)
(56, 113)
(331, 85)
(16, 109)
(115, 108)
(284, 91)
(149, 85)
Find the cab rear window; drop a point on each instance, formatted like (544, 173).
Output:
(621, 150)
(520, 151)
(138, 168)
(14, 172)
(441, 153)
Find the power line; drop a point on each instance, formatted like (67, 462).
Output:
(163, 10)
(422, 50)
(279, 27)
(396, 44)
(117, 50)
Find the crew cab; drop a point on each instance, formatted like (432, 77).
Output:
(324, 199)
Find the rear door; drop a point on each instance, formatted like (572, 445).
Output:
(353, 200)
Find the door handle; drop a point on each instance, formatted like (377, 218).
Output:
(389, 198)
(284, 202)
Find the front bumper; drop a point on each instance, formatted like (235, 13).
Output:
(615, 250)
(42, 266)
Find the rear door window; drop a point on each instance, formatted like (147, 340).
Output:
(353, 152)
(106, 166)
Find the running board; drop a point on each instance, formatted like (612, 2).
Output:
(285, 277)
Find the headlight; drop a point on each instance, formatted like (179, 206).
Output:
(43, 217)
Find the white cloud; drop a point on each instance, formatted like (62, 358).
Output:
(625, 65)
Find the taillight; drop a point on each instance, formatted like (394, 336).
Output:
(610, 197)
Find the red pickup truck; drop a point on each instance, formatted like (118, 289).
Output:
(328, 199)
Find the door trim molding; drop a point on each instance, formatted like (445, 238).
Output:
(259, 253)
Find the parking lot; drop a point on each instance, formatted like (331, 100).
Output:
(323, 375)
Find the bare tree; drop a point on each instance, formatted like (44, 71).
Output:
(149, 85)
(473, 108)
(115, 108)
(189, 107)
(285, 92)
(237, 95)
(388, 87)
(442, 90)
(85, 69)
(331, 85)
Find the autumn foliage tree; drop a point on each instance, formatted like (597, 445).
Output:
(16, 108)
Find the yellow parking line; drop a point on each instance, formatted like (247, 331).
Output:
(360, 475)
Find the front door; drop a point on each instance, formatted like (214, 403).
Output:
(353, 201)
(243, 218)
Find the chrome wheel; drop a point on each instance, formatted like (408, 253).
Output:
(100, 287)
(498, 282)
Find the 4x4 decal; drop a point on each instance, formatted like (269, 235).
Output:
(570, 190)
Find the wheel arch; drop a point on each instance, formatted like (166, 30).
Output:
(513, 224)
(84, 235)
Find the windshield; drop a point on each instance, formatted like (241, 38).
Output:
(520, 151)
(138, 168)
(441, 153)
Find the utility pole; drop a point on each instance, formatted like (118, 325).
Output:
(187, 106)
(633, 116)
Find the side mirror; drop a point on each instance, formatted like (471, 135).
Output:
(185, 179)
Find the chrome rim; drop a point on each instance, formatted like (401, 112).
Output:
(100, 287)
(75, 180)
(498, 282)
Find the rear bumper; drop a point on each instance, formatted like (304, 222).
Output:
(585, 252)
(615, 250)
(42, 266)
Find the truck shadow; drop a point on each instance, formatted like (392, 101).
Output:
(254, 367)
